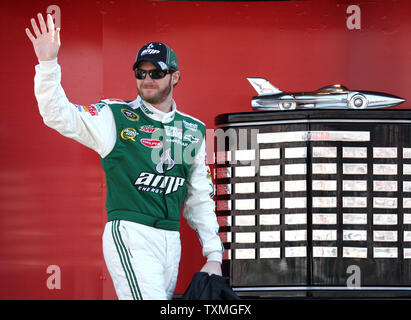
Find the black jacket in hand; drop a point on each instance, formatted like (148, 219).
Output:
(206, 287)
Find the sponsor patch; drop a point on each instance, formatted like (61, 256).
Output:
(174, 140)
(174, 132)
(148, 129)
(92, 109)
(129, 134)
(191, 138)
(190, 125)
(130, 115)
(151, 143)
(144, 108)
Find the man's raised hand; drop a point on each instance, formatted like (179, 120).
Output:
(46, 42)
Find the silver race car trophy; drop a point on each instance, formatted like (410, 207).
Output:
(330, 97)
(316, 201)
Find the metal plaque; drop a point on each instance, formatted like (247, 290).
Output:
(300, 136)
(406, 186)
(270, 203)
(385, 203)
(272, 170)
(295, 252)
(324, 185)
(324, 168)
(245, 204)
(276, 137)
(354, 202)
(354, 218)
(245, 237)
(245, 253)
(385, 169)
(269, 219)
(244, 155)
(270, 236)
(300, 152)
(244, 220)
(406, 153)
(247, 171)
(324, 152)
(406, 203)
(385, 236)
(296, 202)
(385, 186)
(407, 218)
(380, 252)
(295, 235)
(406, 169)
(324, 202)
(245, 187)
(295, 218)
(355, 235)
(354, 152)
(354, 168)
(295, 185)
(354, 252)
(270, 186)
(272, 153)
(407, 236)
(354, 185)
(297, 168)
(384, 219)
(324, 235)
(356, 136)
(324, 218)
(384, 152)
(324, 252)
(266, 253)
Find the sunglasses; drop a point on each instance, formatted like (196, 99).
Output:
(154, 74)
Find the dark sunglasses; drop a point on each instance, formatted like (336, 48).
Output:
(154, 74)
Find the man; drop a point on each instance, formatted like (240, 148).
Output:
(154, 160)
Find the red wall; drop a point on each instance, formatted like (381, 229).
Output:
(52, 191)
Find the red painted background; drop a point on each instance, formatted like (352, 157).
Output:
(52, 189)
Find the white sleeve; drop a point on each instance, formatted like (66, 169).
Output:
(94, 129)
(199, 208)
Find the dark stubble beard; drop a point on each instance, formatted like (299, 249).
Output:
(160, 97)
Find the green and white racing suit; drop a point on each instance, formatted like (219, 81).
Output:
(154, 163)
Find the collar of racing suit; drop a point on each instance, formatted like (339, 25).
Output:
(153, 112)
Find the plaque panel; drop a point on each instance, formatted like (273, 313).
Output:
(321, 191)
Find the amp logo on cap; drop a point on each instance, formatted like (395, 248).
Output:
(150, 50)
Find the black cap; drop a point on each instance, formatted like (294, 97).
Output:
(159, 54)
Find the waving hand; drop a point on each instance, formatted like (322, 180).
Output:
(46, 41)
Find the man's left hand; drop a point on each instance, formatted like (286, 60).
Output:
(212, 267)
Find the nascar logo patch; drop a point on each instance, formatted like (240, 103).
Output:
(130, 115)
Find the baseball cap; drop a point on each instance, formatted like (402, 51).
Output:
(159, 54)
